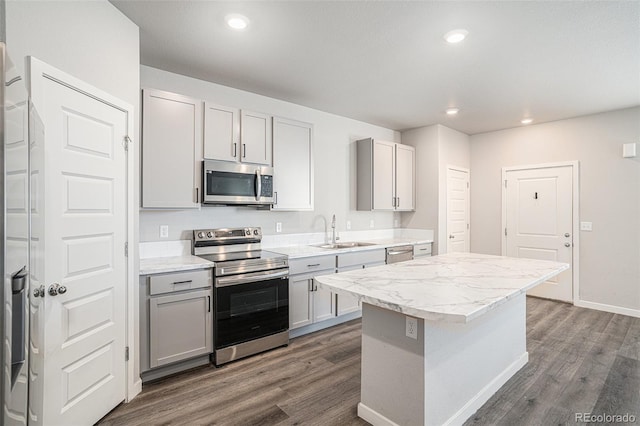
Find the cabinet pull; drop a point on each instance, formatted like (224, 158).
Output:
(235, 150)
(313, 265)
(397, 201)
(393, 201)
(182, 282)
(197, 195)
(209, 303)
(311, 284)
(244, 150)
(275, 197)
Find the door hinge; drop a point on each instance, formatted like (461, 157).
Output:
(125, 142)
(467, 226)
(467, 185)
(505, 232)
(505, 183)
(126, 353)
(126, 249)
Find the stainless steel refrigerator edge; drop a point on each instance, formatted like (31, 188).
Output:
(14, 249)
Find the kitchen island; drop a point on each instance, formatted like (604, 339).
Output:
(440, 335)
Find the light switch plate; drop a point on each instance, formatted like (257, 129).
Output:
(348, 225)
(278, 226)
(586, 226)
(629, 150)
(164, 231)
(371, 223)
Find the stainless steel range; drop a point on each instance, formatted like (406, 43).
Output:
(251, 292)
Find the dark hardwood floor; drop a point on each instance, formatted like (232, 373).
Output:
(580, 361)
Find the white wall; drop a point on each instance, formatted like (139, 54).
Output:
(437, 147)
(334, 163)
(609, 195)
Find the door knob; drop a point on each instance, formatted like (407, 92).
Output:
(567, 234)
(38, 292)
(567, 244)
(451, 237)
(55, 289)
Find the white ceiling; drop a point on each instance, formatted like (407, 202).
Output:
(386, 63)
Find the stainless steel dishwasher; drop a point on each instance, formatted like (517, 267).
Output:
(399, 254)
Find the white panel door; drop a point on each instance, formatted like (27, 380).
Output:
(82, 228)
(457, 210)
(405, 177)
(293, 165)
(256, 137)
(384, 178)
(539, 224)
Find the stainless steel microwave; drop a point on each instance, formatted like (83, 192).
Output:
(230, 183)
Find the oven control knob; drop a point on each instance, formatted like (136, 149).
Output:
(200, 234)
(255, 232)
(210, 234)
(247, 231)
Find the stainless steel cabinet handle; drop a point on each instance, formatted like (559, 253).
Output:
(209, 303)
(393, 201)
(567, 244)
(313, 265)
(275, 197)
(397, 201)
(244, 150)
(55, 289)
(182, 282)
(235, 150)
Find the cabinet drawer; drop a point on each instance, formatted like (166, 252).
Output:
(167, 283)
(311, 264)
(422, 250)
(361, 258)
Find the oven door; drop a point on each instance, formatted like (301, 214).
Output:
(250, 306)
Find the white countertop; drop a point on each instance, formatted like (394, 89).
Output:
(455, 287)
(159, 265)
(300, 251)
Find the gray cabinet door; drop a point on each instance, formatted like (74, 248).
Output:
(221, 132)
(300, 301)
(256, 138)
(171, 150)
(180, 326)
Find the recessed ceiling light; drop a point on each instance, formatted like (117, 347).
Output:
(455, 36)
(526, 120)
(453, 111)
(237, 21)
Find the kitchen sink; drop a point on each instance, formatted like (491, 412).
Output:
(343, 245)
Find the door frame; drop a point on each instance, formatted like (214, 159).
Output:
(446, 206)
(575, 210)
(133, 382)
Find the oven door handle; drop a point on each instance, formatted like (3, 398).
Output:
(250, 278)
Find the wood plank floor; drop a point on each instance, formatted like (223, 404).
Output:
(580, 361)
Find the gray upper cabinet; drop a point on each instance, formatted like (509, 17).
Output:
(171, 141)
(231, 134)
(385, 176)
(293, 165)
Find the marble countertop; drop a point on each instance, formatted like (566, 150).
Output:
(301, 251)
(455, 287)
(159, 265)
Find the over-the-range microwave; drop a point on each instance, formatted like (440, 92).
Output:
(229, 183)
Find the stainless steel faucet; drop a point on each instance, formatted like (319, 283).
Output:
(333, 230)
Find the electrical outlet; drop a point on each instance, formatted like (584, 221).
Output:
(278, 226)
(164, 231)
(412, 327)
(348, 225)
(371, 223)
(586, 226)
(395, 223)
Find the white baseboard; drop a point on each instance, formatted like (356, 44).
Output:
(134, 390)
(608, 308)
(485, 393)
(373, 417)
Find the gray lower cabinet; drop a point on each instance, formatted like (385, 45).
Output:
(176, 320)
(345, 303)
(307, 303)
(422, 249)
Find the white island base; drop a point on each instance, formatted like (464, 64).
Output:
(447, 373)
